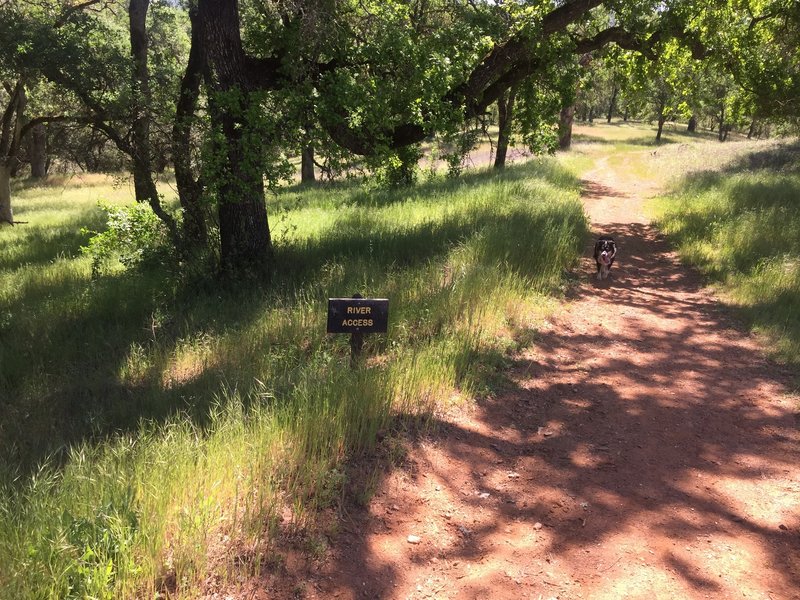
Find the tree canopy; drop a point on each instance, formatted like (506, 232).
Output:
(226, 90)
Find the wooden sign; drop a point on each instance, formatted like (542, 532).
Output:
(358, 315)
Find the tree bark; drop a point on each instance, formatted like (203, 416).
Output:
(246, 246)
(611, 104)
(143, 183)
(38, 151)
(661, 119)
(307, 165)
(190, 188)
(6, 215)
(692, 126)
(505, 109)
(565, 127)
(752, 129)
(721, 131)
(245, 242)
(10, 138)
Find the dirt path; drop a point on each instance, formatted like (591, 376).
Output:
(647, 450)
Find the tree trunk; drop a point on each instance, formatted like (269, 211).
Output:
(661, 119)
(692, 126)
(565, 127)
(752, 129)
(591, 114)
(6, 215)
(246, 246)
(245, 243)
(10, 137)
(190, 188)
(144, 186)
(625, 116)
(721, 132)
(611, 104)
(505, 109)
(38, 151)
(307, 165)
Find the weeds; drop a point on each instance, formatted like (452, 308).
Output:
(145, 426)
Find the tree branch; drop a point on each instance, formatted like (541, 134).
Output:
(7, 133)
(71, 10)
(84, 119)
(506, 64)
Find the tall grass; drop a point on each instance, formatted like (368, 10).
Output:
(152, 434)
(741, 226)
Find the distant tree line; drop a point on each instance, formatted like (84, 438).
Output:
(225, 92)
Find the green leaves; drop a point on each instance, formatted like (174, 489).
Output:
(134, 237)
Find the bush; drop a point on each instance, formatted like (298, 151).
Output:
(135, 237)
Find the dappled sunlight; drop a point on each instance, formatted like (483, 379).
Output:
(644, 444)
(740, 226)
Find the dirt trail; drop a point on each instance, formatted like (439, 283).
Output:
(646, 450)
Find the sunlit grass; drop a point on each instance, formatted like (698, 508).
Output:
(146, 427)
(741, 226)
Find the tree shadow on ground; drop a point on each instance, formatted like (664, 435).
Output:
(65, 373)
(751, 213)
(353, 192)
(37, 246)
(671, 134)
(656, 427)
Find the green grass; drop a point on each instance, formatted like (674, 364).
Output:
(741, 226)
(142, 424)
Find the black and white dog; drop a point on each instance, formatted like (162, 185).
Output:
(604, 252)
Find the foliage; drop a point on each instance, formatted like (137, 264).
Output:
(70, 146)
(400, 168)
(134, 236)
(374, 77)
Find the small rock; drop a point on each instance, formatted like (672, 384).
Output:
(414, 539)
(483, 495)
(537, 526)
(513, 475)
(784, 527)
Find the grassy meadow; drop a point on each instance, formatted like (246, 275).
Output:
(740, 225)
(146, 426)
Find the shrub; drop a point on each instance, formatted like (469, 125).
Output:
(135, 237)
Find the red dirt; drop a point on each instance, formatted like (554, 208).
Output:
(646, 449)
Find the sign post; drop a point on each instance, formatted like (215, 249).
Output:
(357, 316)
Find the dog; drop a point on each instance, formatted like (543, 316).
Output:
(604, 252)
